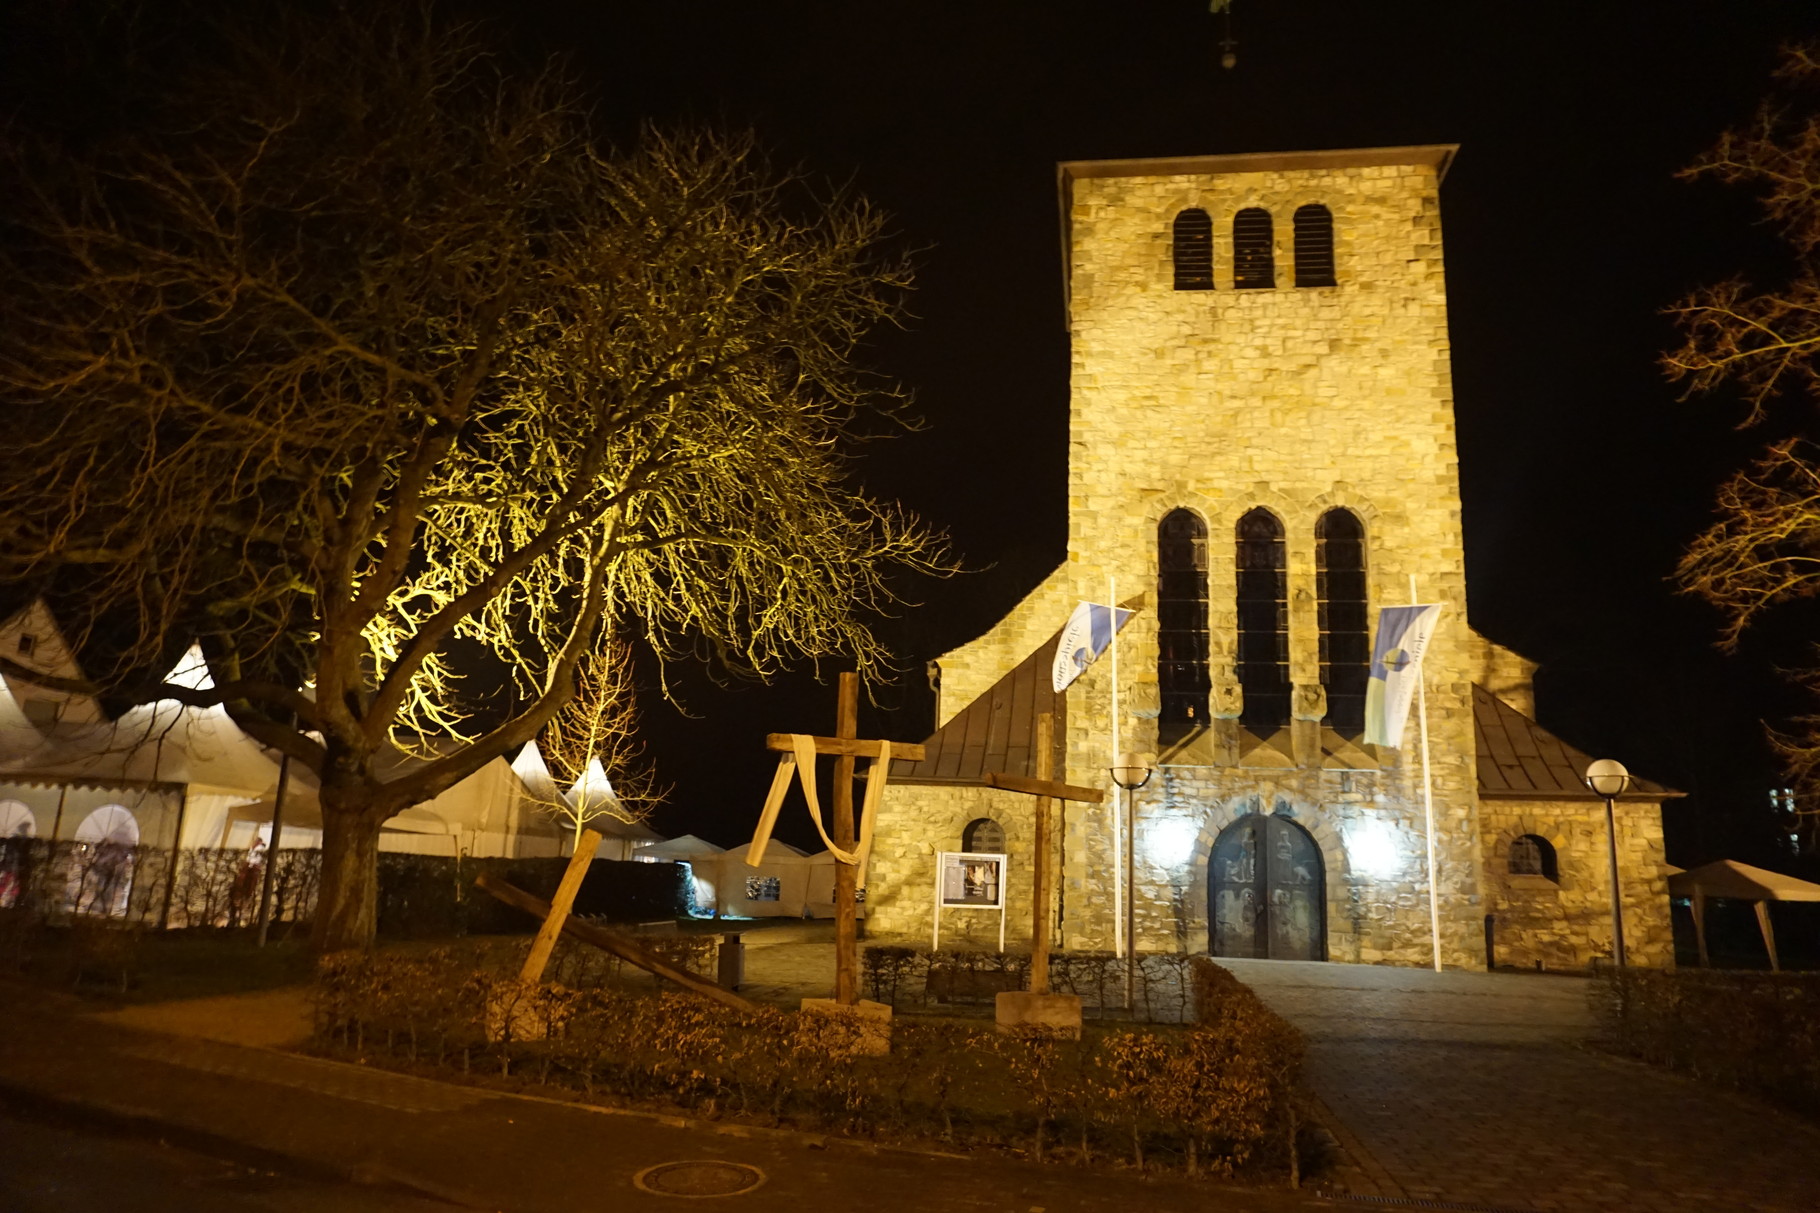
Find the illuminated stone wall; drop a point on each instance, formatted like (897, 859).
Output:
(1565, 922)
(1298, 400)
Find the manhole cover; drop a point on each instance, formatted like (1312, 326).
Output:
(699, 1178)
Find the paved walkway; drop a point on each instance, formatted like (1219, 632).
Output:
(1479, 1089)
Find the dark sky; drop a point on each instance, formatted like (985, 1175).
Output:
(1566, 233)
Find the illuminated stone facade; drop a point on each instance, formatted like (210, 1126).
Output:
(1299, 400)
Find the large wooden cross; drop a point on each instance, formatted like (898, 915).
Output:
(1045, 788)
(845, 746)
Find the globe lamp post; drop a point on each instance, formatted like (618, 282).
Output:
(1608, 778)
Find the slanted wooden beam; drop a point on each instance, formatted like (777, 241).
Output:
(1044, 787)
(846, 747)
(545, 943)
(609, 941)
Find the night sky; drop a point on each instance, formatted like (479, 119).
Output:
(1566, 233)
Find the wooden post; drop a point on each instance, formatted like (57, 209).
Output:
(1039, 894)
(846, 876)
(545, 943)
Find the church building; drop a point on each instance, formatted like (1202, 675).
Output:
(1262, 456)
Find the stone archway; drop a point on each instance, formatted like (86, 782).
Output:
(1266, 892)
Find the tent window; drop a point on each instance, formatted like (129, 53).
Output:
(1263, 602)
(1343, 618)
(763, 888)
(1253, 258)
(1193, 251)
(983, 836)
(1533, 856)
(1313, 245)
(1181, 628)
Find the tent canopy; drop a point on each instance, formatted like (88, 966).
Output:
(686, 847)
(1739, 881)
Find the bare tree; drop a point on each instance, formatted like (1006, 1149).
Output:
(593, 743)
(362, 348)
(1764, 549)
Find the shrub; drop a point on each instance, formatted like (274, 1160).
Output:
(1215, 1093)
(1754, 1031)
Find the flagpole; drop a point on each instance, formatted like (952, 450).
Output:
(1428, 800)
(1118, 842)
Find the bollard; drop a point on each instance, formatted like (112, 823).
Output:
(732, 967)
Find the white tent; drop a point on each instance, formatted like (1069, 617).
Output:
(777, 888)
(1729, 879)
(821, 887)
(703, 858)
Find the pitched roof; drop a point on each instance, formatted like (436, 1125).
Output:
(997, 731)
(1519, 759)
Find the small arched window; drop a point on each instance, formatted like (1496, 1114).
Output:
(1193, 250)
(1343, 619)
(1263, 602)
(1253, 257)
(983, 836)
(1181, 625)
(1531, 855)
(1313, 245)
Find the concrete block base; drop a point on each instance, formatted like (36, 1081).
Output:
(1057, 1013)
(869, 1022)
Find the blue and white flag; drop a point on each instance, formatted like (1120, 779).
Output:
(1396, 668)
(1088, 633)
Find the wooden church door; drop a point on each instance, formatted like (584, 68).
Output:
(1266, 891)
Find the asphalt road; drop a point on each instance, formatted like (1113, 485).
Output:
(49, 1168)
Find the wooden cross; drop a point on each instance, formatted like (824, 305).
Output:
(1045, 788)
(845, 745)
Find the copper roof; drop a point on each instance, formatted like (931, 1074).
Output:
(1519, 759)
(997, 731)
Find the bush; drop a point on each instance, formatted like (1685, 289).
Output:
(1215, 1095)
(1758, 1032)
(915, 977)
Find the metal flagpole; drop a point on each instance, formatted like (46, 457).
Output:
(1118, 842)
(1428, 799)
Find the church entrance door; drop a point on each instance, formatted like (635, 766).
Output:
(1267, 891)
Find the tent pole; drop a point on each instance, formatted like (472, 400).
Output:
(271, 851)
(1769, 934)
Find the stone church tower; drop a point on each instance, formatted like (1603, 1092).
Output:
(1262, 455)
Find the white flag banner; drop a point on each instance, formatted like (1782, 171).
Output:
(1396, 665)
(1088, 633)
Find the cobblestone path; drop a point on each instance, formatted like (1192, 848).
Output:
(1479, 1089)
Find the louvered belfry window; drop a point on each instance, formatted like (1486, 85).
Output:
(1313, 245)
(1344, 621)
(1263, 602)
(1253, 259)
(1181, 625)
(1193, 251)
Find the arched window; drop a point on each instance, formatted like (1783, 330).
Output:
(983, 836)
(1263, 601)
(1344, 622)
(1181, 625)
(1193, 251)
(1531, 855)
(1253, 259)
(1313, 245)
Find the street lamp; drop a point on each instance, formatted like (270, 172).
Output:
(1608, 778)
(1131, 774)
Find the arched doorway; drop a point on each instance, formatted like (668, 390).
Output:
(1267, 892)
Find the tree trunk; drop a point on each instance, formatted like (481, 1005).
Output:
(347, 908)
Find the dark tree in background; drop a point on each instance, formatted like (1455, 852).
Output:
(1763, 341)
(358, 348)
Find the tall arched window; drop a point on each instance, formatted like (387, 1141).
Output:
(1193, 251)
(1313, 245)
(1181, 625)
(1253, 258)
(1263, 601)
(1345, 625)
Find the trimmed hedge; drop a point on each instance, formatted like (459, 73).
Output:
(1163, 987)
(1213, 1097)
(1758, 1032)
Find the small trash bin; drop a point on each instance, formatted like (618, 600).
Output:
(732, 968)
